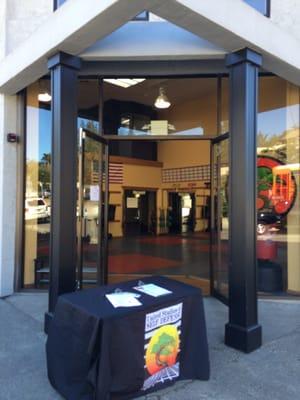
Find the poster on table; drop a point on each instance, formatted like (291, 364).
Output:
(162, 345)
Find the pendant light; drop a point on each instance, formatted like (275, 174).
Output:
(44, 95)
(162, 100)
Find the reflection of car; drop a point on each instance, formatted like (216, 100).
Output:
(36, 208)
(268, 221)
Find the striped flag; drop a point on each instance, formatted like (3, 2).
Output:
(115, 173)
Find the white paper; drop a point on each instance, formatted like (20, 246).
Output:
(152, 290)
(123, 299)
(94, 193)
(132, 202)
(159, 127)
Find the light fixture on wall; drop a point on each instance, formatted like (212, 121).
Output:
(44, 95)
(162, 100)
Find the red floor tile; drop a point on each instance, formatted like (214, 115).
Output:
(129, 263)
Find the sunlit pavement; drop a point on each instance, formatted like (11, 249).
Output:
(269, 373)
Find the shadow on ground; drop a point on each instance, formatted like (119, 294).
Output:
(271, 372)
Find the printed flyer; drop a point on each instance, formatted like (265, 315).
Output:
(162, 345)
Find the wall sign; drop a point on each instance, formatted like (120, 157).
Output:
(276, 185)
(132, 202)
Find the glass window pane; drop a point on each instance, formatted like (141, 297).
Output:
(38, 186)
(278, 205)
(160, 107)
(259, 5)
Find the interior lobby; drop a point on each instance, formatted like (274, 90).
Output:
(168, 181)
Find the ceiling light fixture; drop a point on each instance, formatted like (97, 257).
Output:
(124, 83)
(162, 100)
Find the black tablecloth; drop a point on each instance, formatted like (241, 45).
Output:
(96, 351)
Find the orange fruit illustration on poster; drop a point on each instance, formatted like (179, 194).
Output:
(163, 349)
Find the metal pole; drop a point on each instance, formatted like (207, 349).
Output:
(80, 217)
(100, 262)
(212, 216)
(106, 207)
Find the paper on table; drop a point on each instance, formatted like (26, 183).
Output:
(152, 290)
(123, 299)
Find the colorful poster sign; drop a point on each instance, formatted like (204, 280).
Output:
(276, 185)
(162, 345)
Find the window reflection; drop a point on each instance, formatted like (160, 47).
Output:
(186, 107)
(38, 185)
(260, 5)
(278, 207)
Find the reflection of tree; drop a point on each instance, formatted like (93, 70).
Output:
(45, 169)
(90, 125)
(46, 158)
(276, 145)
(91, 154)
(264, 140)
(31, 178)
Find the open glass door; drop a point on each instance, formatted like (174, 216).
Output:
(92, 214)
(220, 217)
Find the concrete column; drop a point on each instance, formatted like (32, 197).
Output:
(8, 171)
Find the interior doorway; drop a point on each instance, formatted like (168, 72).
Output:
(149, 230)
(139, 217)
(181, 212)
(156, 179)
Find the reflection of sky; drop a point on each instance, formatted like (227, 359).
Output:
(260, 5)
(44, 132)
(270, 123)
(44, 145)
(276, 121)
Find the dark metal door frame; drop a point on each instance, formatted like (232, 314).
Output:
(215, 169)
(102, 258)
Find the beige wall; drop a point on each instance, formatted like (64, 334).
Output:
(175, 154)
(186, 153)
(201, 112)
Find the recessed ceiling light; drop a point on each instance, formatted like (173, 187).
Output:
(124, 83)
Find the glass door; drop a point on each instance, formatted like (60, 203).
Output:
(220, 217)
(92, 213)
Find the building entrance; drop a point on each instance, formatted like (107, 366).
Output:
(133, 222)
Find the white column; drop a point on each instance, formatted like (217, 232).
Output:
(8, 190)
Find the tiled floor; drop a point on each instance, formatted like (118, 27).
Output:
(177, 254)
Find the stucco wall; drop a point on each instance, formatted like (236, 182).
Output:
(24, 17)
(286, 14)
(18, 19)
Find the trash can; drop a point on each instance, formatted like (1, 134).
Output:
(269, 273)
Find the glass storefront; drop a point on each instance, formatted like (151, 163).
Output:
(165, 174)
(160, 107)
(37, 183)
(278, 205)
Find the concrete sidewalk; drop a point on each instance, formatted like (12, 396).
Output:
(272, 372)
